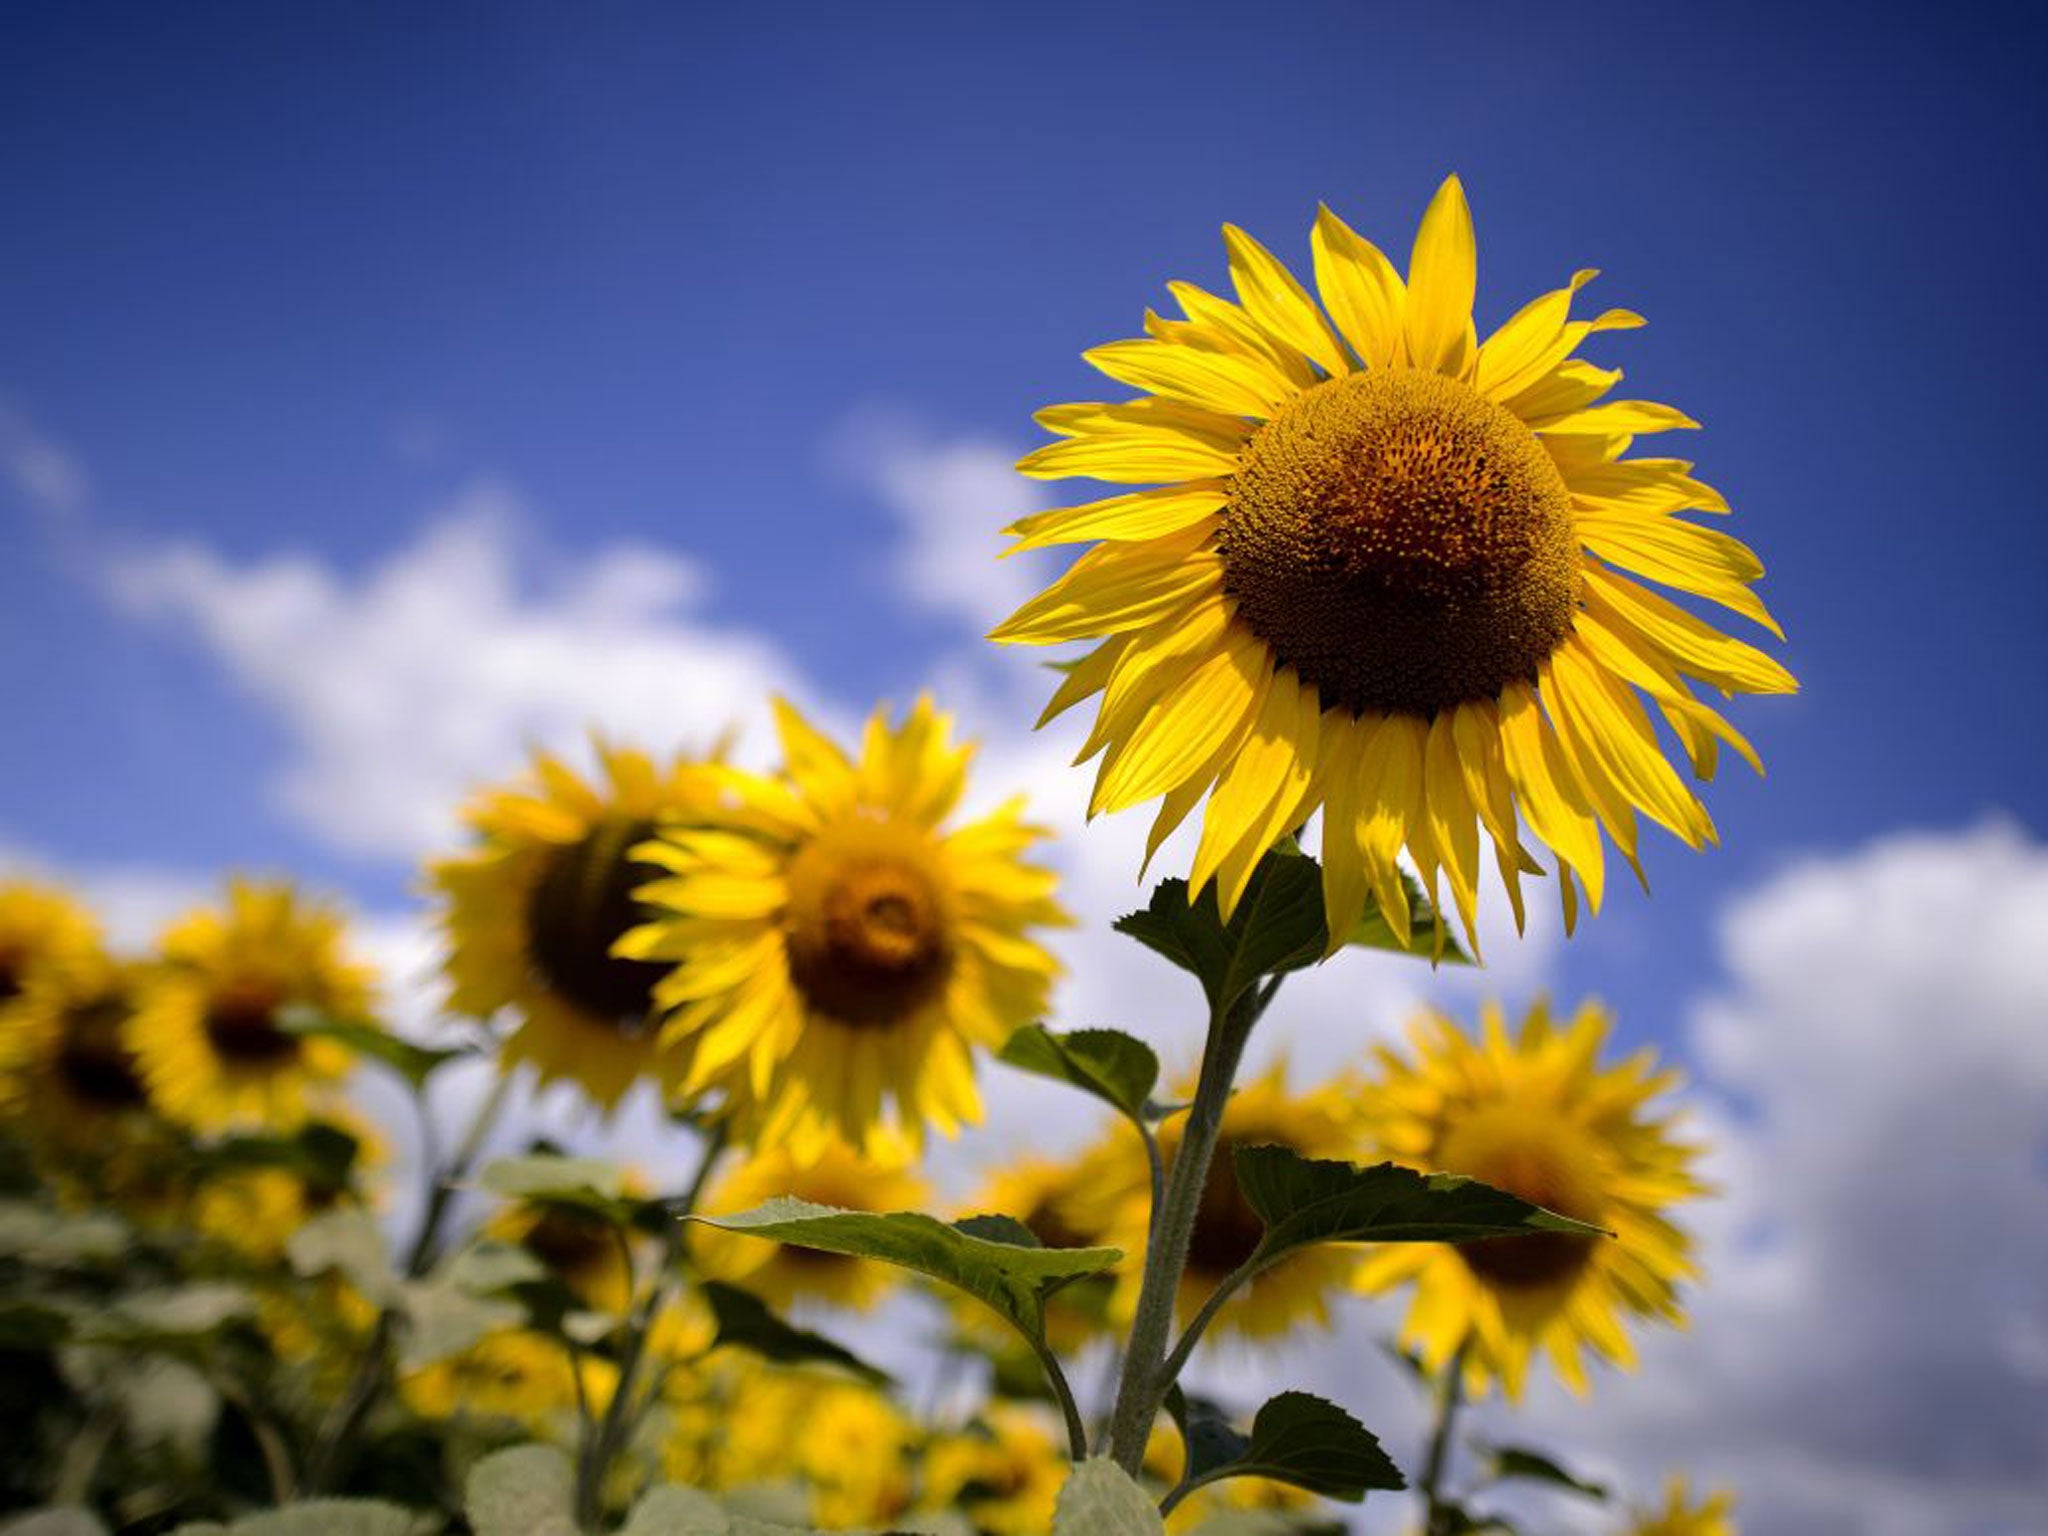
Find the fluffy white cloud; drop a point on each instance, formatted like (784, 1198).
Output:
(402, 688)
(950, 499)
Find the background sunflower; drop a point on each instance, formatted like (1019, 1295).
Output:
(1536, 1114)
(211, 1031)
(839, 951)
(533, 908)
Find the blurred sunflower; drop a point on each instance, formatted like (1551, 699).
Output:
(1389, 571)
(780, 1273)
(1713, 1515)
(589, 1254)
(67, 1062)
(1005, 1474)
(1262, 1112)
(38, 925)
(533, 908)
(1060, 1201)
(209, 1030)
(844, 951)
(1536, 1115)
(515, 1374)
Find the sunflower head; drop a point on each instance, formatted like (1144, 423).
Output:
(39, 926)
(1713, 1514)
(66, 1059)
(513, 1374)
(842, 942)
(1390, 572)
(1004, 1473)
(1536, 1114)
(533, 908)
(583, 1249)
(211, 1029)
(783, 1272)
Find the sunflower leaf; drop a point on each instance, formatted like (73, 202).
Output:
(1297, 1438)
(1012, 1277)
(528, 1490)
(746, 1322)
(1280, 925)
(588, 1183)
(1114, 1067)
(414, 1063)
(1100, 1500)
(1305, 1200)
(1514, 1461)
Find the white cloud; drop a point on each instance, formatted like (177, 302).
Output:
(950, 499)
(402, 688)
(41, 470)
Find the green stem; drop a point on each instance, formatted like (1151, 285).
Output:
(82, 1457)
(1230, 1285)
(327, 1462)
(600, 1449)
(1450, 1397)
(1077, 1428)
(1143, 1383)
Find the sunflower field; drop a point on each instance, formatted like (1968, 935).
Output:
(1398, 620)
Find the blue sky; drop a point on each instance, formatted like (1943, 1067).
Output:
(689, 302)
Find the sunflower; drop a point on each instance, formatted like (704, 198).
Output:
(845, 951)
(1059, 1200)
(1004, 1475)
(780, 1273)
(1262, 1112)
(515, 1374)
(1538, 1116)
(1391, 572)
(209, 1031)
(533, 908)
(1713, 1515)
(583, 1249)
(67, 1062)
(38, 926)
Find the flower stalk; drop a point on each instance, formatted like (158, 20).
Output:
(1146, 1375)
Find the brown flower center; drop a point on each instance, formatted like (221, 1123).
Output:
(241, 1025)
(867, 941)
(1227, 1229)
(578, 908)
(94, 1060)
(1402, 542)
(1548, 1163)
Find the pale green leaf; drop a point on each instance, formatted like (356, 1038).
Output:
(1100, 1500)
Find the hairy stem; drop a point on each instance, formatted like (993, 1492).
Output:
(1143, 1383)
(1450, 1397)
(601, 1448)
(327, 1463)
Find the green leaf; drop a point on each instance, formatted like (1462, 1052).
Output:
(335, 1517)
(1100, 1500)
(49, 1239)
(1513, 1461)
(1010, 1276)
(672, 1511)
(1297, 1438)
(54, 1520)
(1279, 926)
(529, 1490)
(745, 1322)
(1112, 1066)
(160, 1317)
(349, 1240)
(414, 1063)
(1428, 935)
(1303, 1200)
(589, 1183)
(442, 1320)
(489, 1267)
